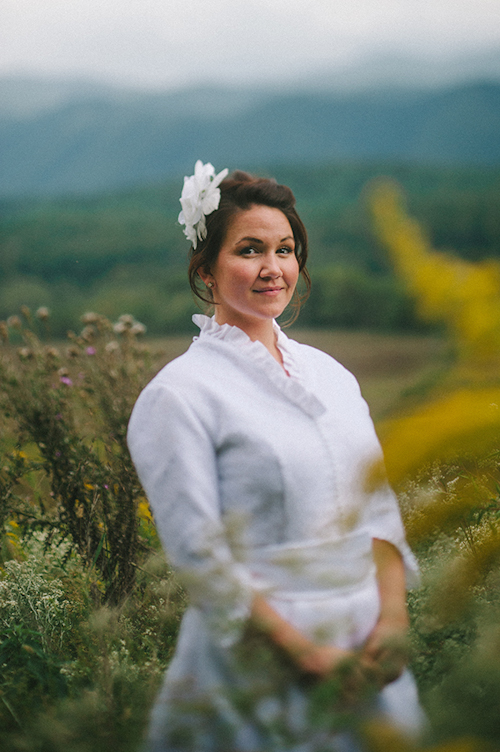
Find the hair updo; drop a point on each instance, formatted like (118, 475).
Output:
(239, 192)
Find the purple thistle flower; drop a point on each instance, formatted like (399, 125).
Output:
(91, 350)
(66, 380)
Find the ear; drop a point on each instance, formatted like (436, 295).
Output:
(206, 278)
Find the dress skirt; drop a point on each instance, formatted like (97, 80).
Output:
(247, 697)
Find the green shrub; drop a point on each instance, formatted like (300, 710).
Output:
(68, 411)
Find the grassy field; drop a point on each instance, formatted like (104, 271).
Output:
(79, 671)
(388, 367)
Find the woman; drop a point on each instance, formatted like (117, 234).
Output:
(253, 451)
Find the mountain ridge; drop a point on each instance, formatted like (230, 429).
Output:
(106, 139)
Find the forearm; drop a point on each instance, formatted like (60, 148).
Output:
(385, 652)
(307, 655)
(391, 582)
(281, 632)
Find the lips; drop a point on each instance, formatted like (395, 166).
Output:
(269, 290)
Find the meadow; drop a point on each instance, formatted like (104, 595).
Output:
(89, 608)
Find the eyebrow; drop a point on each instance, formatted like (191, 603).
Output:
(257, 240)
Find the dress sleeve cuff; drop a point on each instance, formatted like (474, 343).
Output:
(386, 524)
(226, 601)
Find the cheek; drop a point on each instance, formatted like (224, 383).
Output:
(236, 279)
(293, 274)
(241, 276)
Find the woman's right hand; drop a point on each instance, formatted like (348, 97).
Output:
(321, 660)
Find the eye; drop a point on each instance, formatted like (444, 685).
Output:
(249, 250)
(286, 250)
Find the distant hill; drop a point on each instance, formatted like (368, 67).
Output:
(124, 251)
(99, 139)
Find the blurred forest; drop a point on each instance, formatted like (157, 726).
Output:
(124, 251)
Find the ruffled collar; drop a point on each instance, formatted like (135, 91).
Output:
(228, 333)
(291, 384)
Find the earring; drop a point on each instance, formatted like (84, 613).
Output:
(210, 284)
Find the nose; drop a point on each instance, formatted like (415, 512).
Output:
(270, 266)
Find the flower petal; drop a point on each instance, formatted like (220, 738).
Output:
(200, 196)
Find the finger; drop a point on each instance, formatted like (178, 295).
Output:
(392, 669)
(360, 680)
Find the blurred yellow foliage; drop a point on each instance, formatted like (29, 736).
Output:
(144, 511)
(462, 416)
(462, 295)
(13, 539)
(458, 421)
(465, 422)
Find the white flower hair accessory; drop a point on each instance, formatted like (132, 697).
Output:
(200, 196)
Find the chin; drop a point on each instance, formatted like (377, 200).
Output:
(270, 313)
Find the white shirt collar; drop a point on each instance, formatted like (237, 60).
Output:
(209, 327)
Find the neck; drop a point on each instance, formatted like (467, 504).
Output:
(258, 330)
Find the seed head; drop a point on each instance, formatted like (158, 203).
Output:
(42, 313)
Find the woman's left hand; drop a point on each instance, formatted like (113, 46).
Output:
(385, 653)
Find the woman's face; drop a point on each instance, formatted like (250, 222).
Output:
(256, 271)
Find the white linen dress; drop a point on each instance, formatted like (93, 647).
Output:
(256, 482)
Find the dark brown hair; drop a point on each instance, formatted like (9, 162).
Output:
(240, 191)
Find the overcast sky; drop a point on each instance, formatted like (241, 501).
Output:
(176, 42)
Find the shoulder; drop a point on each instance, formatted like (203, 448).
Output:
(185, 372)
(172, 403)
(176, 383)
(189, 387)
(338, 390)
(317, 362)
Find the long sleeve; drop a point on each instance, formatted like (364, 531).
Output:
(175, 459)
(383, 520)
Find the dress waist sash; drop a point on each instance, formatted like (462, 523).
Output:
(313, 568)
